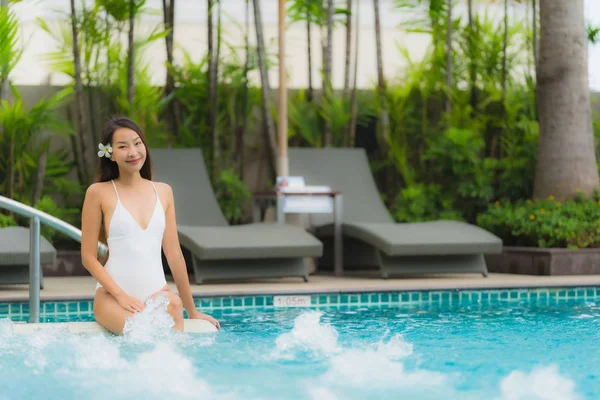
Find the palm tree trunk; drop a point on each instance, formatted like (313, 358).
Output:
(473, 58)
(504, 46)
(348, 47)
(241, 130)
(449, 55)
(310, 93)
(39, 178)
(265, 90)
(327, 60)
(215, 87)
(381, 85)
(131, 55)
(212, 113)
(566, 161)
(79, 100)
(534, 28)
(169, 21)
(11, 168)
(353, 97)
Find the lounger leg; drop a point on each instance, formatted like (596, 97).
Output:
(197, 275)
(382, 265)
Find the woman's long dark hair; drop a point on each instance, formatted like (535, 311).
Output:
(108, 169)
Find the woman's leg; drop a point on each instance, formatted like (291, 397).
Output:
(175, 307)
(108, 312)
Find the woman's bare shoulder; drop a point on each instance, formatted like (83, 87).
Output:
(97, 191)
(164, 188)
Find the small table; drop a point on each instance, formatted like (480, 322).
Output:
(278, 197)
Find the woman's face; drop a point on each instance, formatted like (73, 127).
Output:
(128, 150)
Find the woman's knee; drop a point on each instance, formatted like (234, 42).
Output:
(175, 305)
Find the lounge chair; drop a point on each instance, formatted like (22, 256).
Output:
(372, 237)
(220, 251)
(14, 255)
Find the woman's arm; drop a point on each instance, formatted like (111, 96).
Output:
(174, 255)
(91, 222)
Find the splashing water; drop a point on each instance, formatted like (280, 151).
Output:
(151, 323)
(308, 335)
(543, 383)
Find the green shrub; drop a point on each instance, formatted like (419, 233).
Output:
(419, 202)
(545, 223)
(7, 220)
(231, 194)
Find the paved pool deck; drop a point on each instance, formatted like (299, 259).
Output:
(82, 287)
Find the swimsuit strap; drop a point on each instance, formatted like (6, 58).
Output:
(116, 192)
(155, 191)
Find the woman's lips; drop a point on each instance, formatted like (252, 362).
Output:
(137, 160)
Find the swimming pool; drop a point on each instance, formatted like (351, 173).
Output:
(493, 344)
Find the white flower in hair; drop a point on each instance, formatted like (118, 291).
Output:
(104, 151)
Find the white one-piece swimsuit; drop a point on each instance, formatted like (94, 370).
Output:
(134, 258)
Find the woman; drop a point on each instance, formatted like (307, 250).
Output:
(137, 218)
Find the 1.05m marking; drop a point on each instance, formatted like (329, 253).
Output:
(291, 301)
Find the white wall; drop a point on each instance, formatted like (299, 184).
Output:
(190, 33)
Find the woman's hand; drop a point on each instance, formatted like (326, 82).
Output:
(199, 315)
(130, 303)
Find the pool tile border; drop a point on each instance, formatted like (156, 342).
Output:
(423, 298)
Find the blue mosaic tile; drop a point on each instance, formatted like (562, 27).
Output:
(455, 298)
(411, 299)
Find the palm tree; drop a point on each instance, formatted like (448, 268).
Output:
(131, 56)
(169, 21)
(80, 157)
(385, 123)
(327, 67)
(265, 90)
(566, 159)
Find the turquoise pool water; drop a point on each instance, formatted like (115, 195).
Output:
(510, 347)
